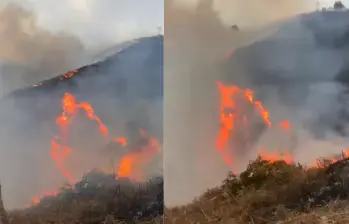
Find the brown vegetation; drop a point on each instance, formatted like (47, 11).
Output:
(272, 193)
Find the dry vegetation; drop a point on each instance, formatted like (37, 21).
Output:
(98, 198)
(272, 193)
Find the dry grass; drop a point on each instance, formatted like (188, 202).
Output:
(266, 193)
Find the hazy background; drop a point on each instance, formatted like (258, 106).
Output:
(198, 36)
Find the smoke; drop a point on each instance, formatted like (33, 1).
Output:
(251, 13)
(192, 57)
(123, 90)
(276, 55)
(29, 53)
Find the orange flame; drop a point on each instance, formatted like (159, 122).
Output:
(121, 140)
(69, 74)
(131, 164)
(60, 152)
(36, 200)
(276, 156)
(228, 120)
(285, 125)
(228, 101)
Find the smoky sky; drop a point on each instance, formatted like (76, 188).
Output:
(98, 22)
(29, 53)
(39, 41)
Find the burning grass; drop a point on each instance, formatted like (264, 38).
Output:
(272, 192)
(98, 198)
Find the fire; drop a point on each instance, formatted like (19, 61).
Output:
(121, 140)
(60, 151)
(230, 100)
(285, 125)
(131, 164)
(69, 74)
(276, 156)
(232, 112)
(36, 200)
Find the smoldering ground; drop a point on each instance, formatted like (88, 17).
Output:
(32, 54)
(279, 56)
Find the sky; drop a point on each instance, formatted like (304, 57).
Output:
(104, 21)
(328, 3)
(98, 21)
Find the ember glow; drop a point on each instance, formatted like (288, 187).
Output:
(69, 74)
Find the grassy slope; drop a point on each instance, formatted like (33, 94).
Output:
(269, 193)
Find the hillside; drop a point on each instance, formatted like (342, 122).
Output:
(295, 76)
(116, 105)
(131, 75)
(302, 68)
(304, 43)
(135, 71)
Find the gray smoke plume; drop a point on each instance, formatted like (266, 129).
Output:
(277, 53)
(29, 53)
